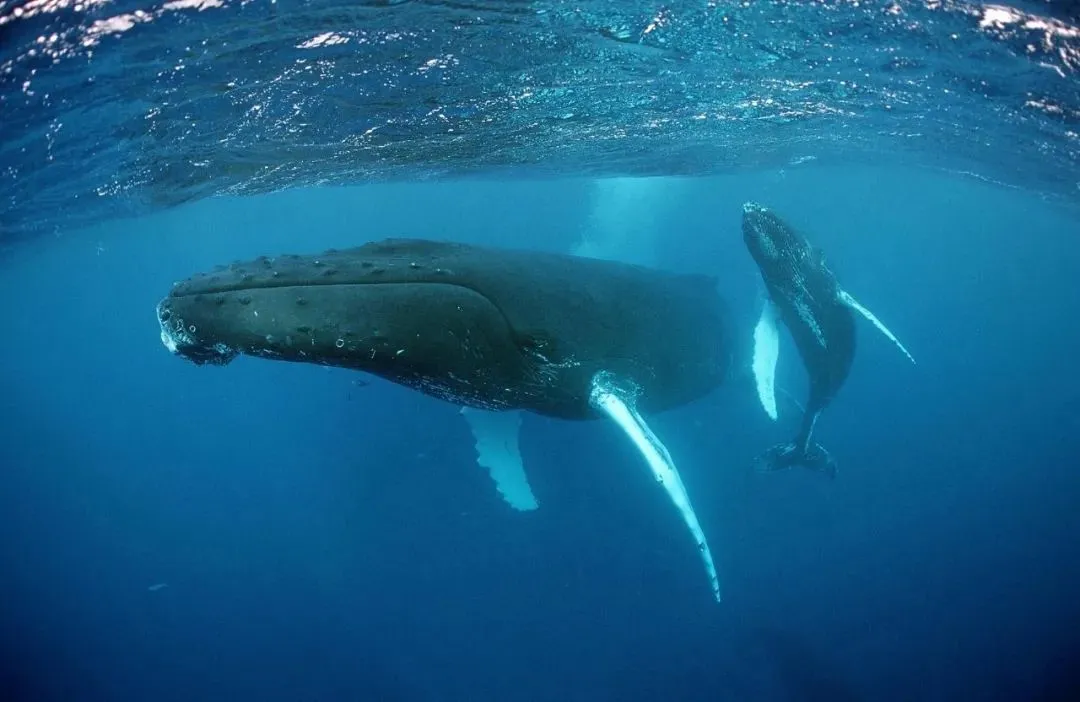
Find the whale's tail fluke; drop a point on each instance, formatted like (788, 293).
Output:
(789, 455)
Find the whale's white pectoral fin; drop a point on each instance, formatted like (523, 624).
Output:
(612, 399)
(496, 435)
(766, 353)
(854, 304)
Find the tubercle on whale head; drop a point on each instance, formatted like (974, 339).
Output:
(766, 236)
(412, 326)
(289, 307)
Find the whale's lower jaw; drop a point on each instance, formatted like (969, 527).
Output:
(178, 339)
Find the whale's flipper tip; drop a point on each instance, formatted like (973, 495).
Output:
(497, 448)
(785, 456)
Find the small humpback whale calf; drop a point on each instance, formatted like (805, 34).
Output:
(805, 295)
(494, 331)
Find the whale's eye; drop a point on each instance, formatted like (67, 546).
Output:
(540, 346)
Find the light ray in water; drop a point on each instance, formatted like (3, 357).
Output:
(608, 396)
(626, 216)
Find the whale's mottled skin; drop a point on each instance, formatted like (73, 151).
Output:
(488, 328)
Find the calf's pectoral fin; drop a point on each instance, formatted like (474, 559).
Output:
(854, 304)
(496, 435)
(766, 353)
(616, 400)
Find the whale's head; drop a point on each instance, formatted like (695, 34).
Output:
(370, 309)
(768, 237)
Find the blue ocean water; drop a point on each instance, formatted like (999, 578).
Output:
(287, 532)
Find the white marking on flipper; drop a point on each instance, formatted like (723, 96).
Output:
(854, 304)
(766, 353)
(496, 435)
(614, 400)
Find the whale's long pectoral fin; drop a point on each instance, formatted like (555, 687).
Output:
(618, 402)
(854, 304)
(766, 353)
(496, 435)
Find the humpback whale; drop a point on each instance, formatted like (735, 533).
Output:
(803, 293)
(491, 330)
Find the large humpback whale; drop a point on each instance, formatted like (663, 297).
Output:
(806, 296)
(492, 330)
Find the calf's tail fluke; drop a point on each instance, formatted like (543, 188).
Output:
(789, 455)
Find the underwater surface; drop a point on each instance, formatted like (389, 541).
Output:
(286, 532)
(164, 103)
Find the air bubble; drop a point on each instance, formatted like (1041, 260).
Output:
(340, 343)
(191, 329)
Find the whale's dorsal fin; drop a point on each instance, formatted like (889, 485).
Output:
(766, 353)
(496, 436)
(612, 397)
(854, 304)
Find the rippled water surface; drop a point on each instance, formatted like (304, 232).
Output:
(113, 107)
